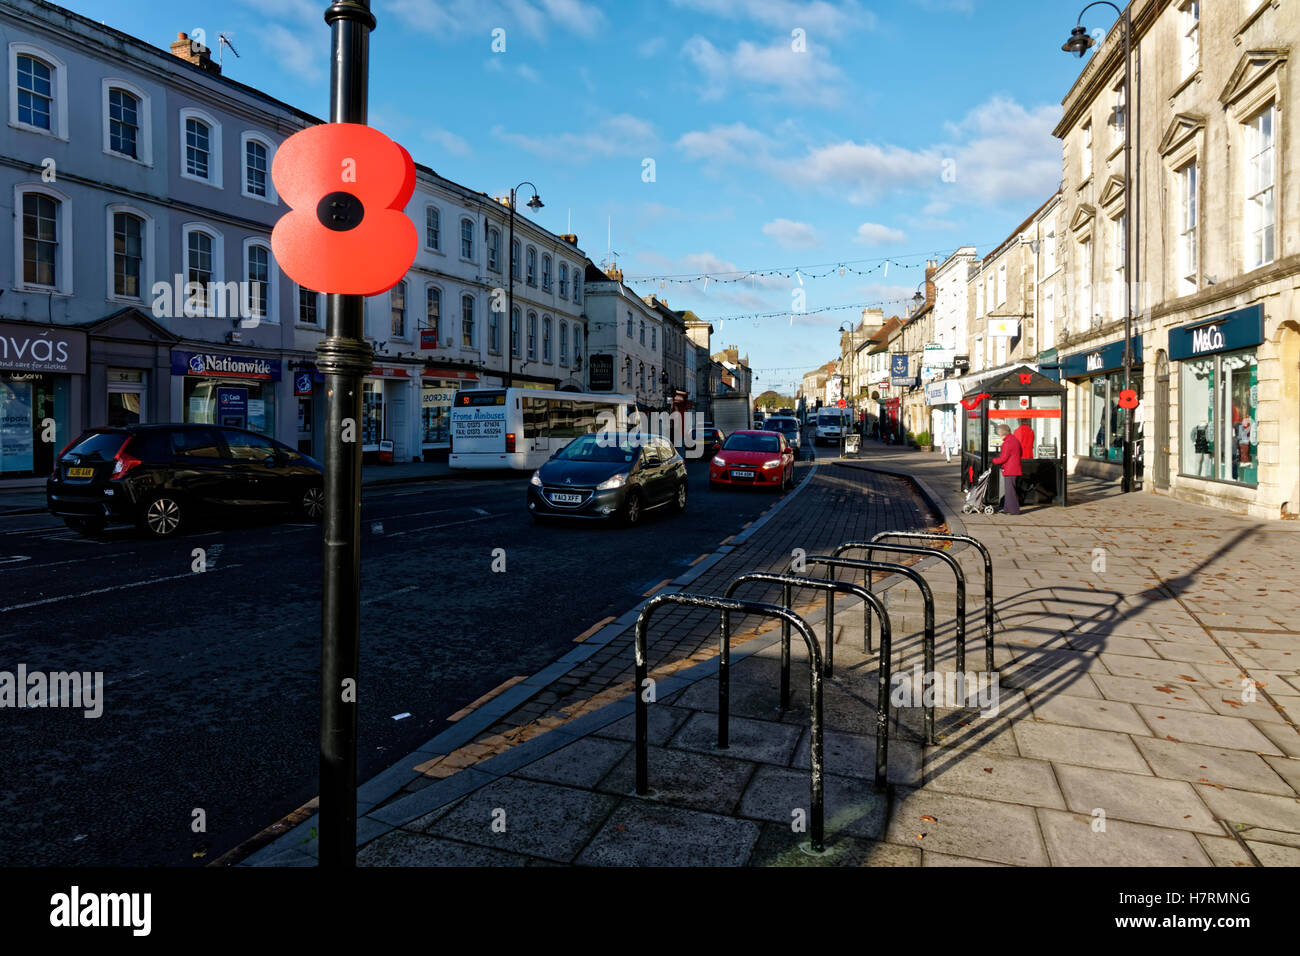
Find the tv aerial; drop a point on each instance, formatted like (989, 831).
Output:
(223, 41)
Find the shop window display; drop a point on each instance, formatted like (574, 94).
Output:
(372, 413)
(1219, 400)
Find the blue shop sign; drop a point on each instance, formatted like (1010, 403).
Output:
(1239, 329)
(898, 370)
(221, 365)
(1098, 361)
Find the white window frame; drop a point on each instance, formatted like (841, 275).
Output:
(1189, 36)
(494, 249)
(63, 266)
(1085, 161)
(461, 239)
(516, 332)
(146, 252)
(577, 345)
(577, 288)
(473, 323)
(564, 343)
(494, 333)
(547, 273)
(1253, 221)
(272, 316)
(531, 334)
(1188, 269)
(319, 325)
(1119, 117)
(218, 265)
(58, 87)
(530, 266)
(406, 312)
(144, 137)
(564, 280)
(548, 340)
(271, 197)
(437, 247)
(440, 328)
(1002, 283)
(215, 154)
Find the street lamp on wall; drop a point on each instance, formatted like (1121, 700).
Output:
(534, 203)
(1079, 43)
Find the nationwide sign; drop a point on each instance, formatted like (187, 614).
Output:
(219, 365)
(36, 348)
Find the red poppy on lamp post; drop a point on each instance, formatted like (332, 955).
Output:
(346, 232)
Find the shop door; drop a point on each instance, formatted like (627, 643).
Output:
(1161, 475)
(398, 426)
(126, 398)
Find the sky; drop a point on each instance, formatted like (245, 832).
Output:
(693, 138)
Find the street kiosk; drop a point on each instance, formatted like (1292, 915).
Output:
(1032, 407)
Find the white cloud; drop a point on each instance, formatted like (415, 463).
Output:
(791, 234)
(528, 73)
(449, 142)
(303, 60)
(534, 18)
(619, 135)
(651, 47)
(999, 151)
(808, 78)
(816, 17)
(874, 234)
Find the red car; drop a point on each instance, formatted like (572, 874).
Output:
(753, 458)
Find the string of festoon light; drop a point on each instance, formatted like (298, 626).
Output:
(757, 317)
(819, 270)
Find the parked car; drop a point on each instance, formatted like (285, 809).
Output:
(753, 458)
(593, 477)
(710, 440)
(163, 477)
(758, 421)
(788, 426)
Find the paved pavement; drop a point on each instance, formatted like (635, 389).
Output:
(1148, 661)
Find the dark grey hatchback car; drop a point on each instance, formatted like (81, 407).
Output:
(604, 476)
(163, 477)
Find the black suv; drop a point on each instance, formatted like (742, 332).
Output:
(161, 477)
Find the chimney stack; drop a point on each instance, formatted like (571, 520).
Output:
(570, 238)
(191, 51)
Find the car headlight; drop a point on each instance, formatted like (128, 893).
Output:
(720, 462)
(774, 463)
(615, 481)
(536, 480)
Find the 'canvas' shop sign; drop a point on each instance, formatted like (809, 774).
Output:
(31, 348)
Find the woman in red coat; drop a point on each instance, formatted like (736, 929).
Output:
(1009, 461)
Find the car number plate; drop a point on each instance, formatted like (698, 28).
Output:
(81, 472)
(567, 499)
(742, 474)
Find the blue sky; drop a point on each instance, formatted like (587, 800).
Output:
(764, 156)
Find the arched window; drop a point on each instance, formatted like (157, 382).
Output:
(123, 122)
(494, 249)
(564, 280)
(546, 339)
(514, 332)
(38, 91)
(530, 264)
(204, 251)
(641, 376)
(514, 260)
(532, 335)
(432, 228)
(257, 154)
(546, 273)
(467, 239)
(257, 273)
(643, 331)
(564, 342)
(128, 235)
(200, 147)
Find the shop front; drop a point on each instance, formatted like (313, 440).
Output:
(943, 397)
(309, 399)
(1097, 379)
(388, 412)
(438, 386)
(129, 369)
(42, 371)
(220, 388)
(1218, 396)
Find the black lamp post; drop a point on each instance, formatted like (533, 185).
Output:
(534, 203)
(344, 357)
(1078, 44)
(664, 387)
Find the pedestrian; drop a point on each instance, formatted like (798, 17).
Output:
(1009, 461)
(950, 441)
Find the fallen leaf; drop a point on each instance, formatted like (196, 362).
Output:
(988, 769)
(1174, 739)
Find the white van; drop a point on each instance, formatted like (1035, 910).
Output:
(831, 425)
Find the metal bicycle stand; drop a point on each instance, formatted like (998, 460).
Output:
(988, 576)
(728, 606)
(883, 672)
(927, 639)
(871, 546)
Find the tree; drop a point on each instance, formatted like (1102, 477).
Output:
(773, 400)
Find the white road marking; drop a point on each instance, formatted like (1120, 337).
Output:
(385, 597)
(15, 558)
(115, 587)
(480, 511)
(449, 524)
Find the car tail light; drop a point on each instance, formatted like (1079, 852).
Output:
(123, 462)
(57, 458)
(510, 442)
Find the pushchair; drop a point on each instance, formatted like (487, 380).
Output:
(975, 495)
